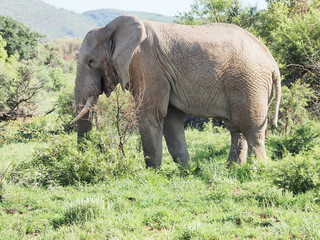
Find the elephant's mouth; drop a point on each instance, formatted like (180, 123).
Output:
(105, 87)
(108, 84)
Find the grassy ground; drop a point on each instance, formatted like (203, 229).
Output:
(205, 201)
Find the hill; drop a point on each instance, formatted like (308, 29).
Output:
(58, 23)
(102, 17)
(46, 19)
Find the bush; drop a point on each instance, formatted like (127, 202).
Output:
(298, 173)
(303, 138)
(63, 162)
(294, 105)
(57, 78)
(40, 128)
(65, 106)
(37, 128)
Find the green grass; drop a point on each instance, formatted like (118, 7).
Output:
(155, 206)
(204, 201)
(17, 152)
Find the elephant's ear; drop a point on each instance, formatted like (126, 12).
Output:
(127, 32)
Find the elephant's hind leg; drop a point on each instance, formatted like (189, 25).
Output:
(239, 146)
(256, 144)
(238, 149)
(173, 130)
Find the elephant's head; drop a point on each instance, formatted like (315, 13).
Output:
(103, 62)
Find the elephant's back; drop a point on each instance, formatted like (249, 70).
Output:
(214, 38)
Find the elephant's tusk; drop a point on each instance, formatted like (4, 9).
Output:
(85, 109)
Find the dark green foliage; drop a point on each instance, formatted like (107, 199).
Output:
(294, 40)
(25, 84)
(20, 39)
(298, 174)
(294, 105)
(228, 11)
(304, 137)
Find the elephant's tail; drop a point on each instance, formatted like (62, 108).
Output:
(277, 84)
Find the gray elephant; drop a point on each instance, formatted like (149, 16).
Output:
(217, 71)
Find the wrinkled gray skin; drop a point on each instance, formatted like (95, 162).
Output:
(217, 70)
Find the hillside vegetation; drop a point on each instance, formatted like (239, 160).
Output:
(102, 17)
(58, 23)
(46, 19)
(51, 187)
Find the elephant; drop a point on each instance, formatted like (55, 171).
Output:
(216, 70)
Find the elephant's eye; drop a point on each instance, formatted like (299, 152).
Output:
(90, 62)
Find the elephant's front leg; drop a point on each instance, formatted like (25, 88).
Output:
(173, 131)
(151, 114)
(151, 137)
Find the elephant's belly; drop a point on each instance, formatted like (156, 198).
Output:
(201, 106)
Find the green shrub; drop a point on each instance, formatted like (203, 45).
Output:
(63, 162)
(293, 111)
(303, 137)
(298, 173)
(39, 128)
(65, 106)
(57, 78)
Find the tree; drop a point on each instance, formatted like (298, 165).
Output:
(18, 87)
(291, 30)
(20, 39)
(209, 11)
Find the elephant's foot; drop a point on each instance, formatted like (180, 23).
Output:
(182, 159)
(152, 163)
(238, 149)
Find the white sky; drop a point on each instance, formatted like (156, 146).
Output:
(165, 7)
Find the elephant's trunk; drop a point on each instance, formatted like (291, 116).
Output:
(83, 126)
(83, 120)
